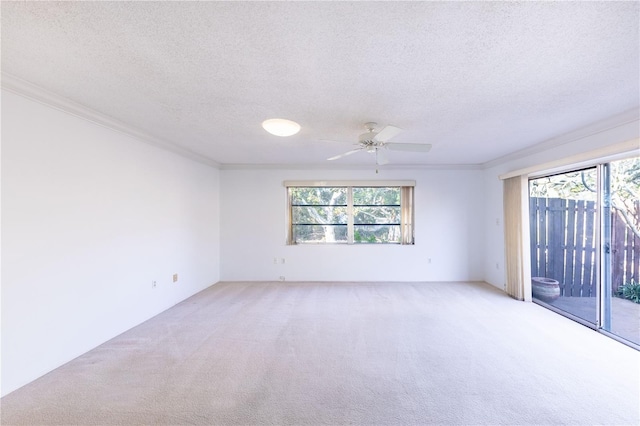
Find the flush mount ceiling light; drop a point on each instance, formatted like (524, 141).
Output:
(281, 127)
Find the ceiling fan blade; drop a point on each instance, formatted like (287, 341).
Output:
(345, 154)
(412, 147)
(387, 133)
(333, 140)
(381, 158)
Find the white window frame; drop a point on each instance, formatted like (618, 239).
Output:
(406, 206)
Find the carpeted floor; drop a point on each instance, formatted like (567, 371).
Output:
(343, 353)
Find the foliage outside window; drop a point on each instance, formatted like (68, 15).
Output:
(625, 189)
(350, 214)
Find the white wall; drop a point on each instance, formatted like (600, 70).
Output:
(90, 217)
(570, 150)
(449, 230)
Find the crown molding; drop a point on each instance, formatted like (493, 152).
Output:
(36, 93)
(618, 151)
(333, 166)
(630, 116)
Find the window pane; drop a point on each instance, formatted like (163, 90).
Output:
(621, 285)
(319, 196)
(376, 215)
(563, 223)
(376, 196)
(376, 234)
(320, 233)
(319, 215)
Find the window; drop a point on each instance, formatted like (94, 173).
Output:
(353, 213)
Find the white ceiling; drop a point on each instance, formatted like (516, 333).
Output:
(478, 80)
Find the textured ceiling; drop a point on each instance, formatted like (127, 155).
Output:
(478, 80)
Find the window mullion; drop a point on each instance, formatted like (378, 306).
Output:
(350, 213)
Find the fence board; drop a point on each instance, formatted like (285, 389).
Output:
(635, 264)
(618, 250)
(581, 247)
(590, 278)
(542, 223)
(571, 254)
(540, 230)
(533, 240)
(555, 252)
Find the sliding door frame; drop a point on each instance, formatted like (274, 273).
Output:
(603, 235)
(602, 245)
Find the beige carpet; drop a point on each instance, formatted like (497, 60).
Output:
(343, 353)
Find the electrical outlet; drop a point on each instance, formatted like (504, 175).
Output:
(429, 260)
(153, 284)
(282, 260)
(281, 277)
(175, 278)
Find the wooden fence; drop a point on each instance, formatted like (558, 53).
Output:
(563, 245)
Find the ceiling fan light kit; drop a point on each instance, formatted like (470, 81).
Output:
(375, 142)
(281, 127)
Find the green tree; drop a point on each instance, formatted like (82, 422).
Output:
(376, 213)
(322, 213)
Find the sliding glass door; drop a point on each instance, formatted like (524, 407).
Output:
(563, 224)
(585, 245)
(621, 249)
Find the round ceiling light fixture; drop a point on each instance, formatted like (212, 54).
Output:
(281, 127)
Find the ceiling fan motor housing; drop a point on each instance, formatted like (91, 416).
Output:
(368, 142)
(367, 139)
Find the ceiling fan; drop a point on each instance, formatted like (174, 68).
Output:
(375, 142)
